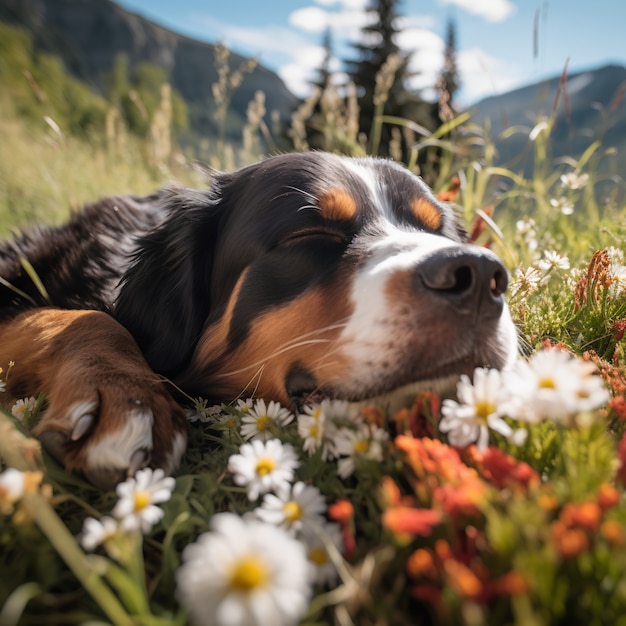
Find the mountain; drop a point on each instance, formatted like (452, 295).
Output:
(590, 107)
(88, 34)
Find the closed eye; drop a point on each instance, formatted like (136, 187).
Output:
(308, 234)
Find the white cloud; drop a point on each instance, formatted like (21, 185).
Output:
(491, 10)
(482, 75)
(427, 50)
(346, 23)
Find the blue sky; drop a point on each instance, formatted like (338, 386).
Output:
(495, 40)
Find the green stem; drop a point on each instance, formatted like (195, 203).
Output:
(65, 544)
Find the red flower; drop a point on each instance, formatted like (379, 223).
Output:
(504, 470)
(621, 456)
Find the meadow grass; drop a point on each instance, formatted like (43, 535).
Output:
(520, 534)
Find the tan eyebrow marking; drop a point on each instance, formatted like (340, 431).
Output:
(337, 205)
(426, 212)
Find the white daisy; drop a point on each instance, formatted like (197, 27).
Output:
(244, 405)
(263, 466)
(553, 260)
(564, 205)
(136, 509)
(317, 427)
(261, 421)
(316, 541)
(480, 408)
(294, 508)
(244, 573)
(203, 412)
(23, 407)
(574, 180)
(97, 532)
(12, 485)
(364, 442)
(554, 384)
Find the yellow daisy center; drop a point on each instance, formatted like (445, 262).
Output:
(265, 466)
(484, 409)
(547, 383)
(318, 411)
(362, 446)
(142, 500)
(292, 511)
(318, 556)
(263, 423)
(314, 430)
(249, 573)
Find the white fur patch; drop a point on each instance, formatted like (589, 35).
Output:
(114, 450)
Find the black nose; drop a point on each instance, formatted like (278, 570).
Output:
(471, 279)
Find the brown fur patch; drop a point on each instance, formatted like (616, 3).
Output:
(337, 205)
(308, 325)
(82, 357)
(427, 213)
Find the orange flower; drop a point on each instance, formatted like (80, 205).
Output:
(404, 520)
(586, 515)
(613, 532)
(421, 564)
(608, 496)
(341, 511)
(460, 499)
(570, 542)
(462, 579)
(618, 406)
(510, 584)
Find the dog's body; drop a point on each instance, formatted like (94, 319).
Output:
(303, 273)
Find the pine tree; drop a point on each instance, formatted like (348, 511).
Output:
(449, 74)
(376, 47)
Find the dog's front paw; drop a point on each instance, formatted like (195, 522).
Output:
(109, 426)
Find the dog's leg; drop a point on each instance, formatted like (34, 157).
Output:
(107, 413)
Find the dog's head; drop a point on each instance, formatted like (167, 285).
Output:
(314, 273)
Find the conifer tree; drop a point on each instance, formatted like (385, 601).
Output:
(377, 44)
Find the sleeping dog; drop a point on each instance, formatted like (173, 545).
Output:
(304, 273)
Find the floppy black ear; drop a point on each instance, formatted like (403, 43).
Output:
(164, 298)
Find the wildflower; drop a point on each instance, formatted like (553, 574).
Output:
(504, 470)
(97, 532)
(23, 407)
(342, 512)
(481, 407)
(564, 205)
(462, 579)
(318, 429)
(260, 420)
(294, 508)
(608, 496)
(525, 281)
(556, 385)
(612, 531)
(553, 261)
(570, 542)
(363, 443)
(136, 508)
(244, 573)
(421, 564)
(316, 541)
(244, 405)
(263, 466)
(573, 180)
(11, 489)
(202, 412)
(409, 521)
